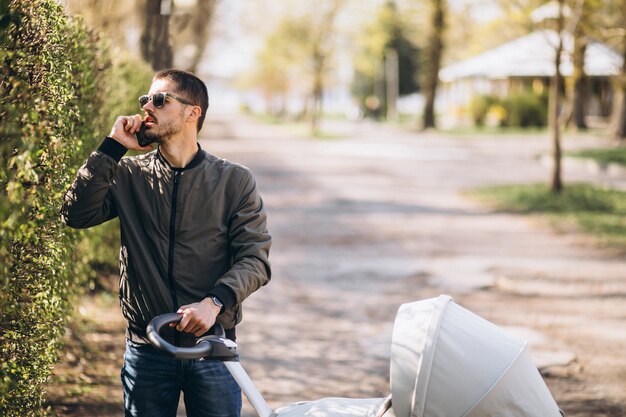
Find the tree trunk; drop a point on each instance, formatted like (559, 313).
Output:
(317, 93)
(619, 124)
(392, 84)
(319, 57)
(619, 112)
(155, 38)
(434, 50)
(580, 81)
(201, 19)
(555, 107)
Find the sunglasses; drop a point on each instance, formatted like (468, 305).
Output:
(158, 99)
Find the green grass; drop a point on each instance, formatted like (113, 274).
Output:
(603, 156)
(598, 211)
(495, 131)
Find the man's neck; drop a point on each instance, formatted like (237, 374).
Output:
(179, 152)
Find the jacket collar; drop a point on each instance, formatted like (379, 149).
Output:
(197, 159)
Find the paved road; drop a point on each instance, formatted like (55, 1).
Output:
(376, 217)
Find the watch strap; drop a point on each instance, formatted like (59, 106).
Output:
(217, 302)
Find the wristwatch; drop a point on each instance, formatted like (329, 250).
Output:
(217, 302)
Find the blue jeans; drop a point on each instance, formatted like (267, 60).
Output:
(153, 382)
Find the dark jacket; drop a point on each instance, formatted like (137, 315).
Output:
(185, 232)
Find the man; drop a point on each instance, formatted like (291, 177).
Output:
(193, 240)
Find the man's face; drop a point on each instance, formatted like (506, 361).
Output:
(164, 122)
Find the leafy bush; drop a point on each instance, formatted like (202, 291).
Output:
(479, 107)
(55, 81)
(525, 109)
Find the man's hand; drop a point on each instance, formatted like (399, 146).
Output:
(198, 318)
(124, 131)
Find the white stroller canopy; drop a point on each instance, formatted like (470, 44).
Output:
(448, 362)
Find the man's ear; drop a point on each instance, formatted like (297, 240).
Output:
(195, 114)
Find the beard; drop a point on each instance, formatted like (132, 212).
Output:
(161, 133)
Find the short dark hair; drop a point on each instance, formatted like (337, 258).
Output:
(189, 86)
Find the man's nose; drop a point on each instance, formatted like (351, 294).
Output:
(149, 106)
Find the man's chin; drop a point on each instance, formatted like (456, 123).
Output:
(155, 138)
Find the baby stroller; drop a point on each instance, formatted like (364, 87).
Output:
(445, 362)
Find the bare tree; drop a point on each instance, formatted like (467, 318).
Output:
(580, 79)
(155, 45)
(192, 26)
(555, 105)
(583, 26)
(166, 27)
(321, 49)
(297, 56)
(619, 113)
(432, 63)
(556, 112)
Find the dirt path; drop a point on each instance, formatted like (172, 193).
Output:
(377, 218)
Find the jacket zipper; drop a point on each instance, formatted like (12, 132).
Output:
(170, 261)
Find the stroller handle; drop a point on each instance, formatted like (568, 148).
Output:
(214, 347)
(204, 347)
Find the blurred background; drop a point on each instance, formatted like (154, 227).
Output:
(432, 63)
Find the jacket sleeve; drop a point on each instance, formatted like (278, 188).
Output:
(88, 201)
(250, 244)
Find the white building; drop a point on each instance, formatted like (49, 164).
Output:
(527, 62)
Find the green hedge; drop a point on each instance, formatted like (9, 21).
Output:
(479, 107)
(518, 109)
(526, 109)
(55, 80)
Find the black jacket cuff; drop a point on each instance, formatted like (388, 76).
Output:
(112, 148)
(224, 294)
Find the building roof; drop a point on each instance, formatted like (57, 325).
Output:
(533, 56)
